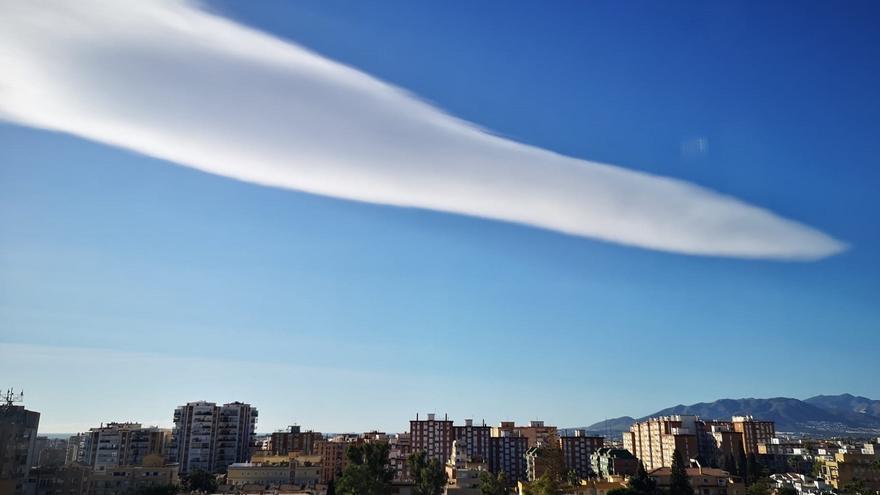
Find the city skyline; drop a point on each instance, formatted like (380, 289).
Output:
(150, 264)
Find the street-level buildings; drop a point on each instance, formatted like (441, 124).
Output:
(704, 481)
(609, 462)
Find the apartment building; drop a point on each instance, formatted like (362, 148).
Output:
(119, 444)
(845, 468)
(507, 454)
(210, 437)
(294, 440)
(473, 439)
(332, 454)
(654, 440)
(433, 436)
(608, 462)
(577, 451)
(537, 433)
(18, 436)
(754, 432)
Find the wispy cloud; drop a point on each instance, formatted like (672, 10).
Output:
(170, 80)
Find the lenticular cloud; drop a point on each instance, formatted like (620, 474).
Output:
(173, 81)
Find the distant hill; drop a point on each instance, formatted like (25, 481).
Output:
(846, 404)
(822, 416)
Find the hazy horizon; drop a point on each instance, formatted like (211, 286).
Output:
(347, 213)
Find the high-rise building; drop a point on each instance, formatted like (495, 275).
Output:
(119, 444)
(473, 440)
(754, 432)
(507, 454)
(209, 437)
(294, 440)
(577, 451)
(18, 436)
(536, 433)
(332, 454)
(433, 436)
(654, 440)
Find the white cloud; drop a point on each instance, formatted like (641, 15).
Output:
(173, 81)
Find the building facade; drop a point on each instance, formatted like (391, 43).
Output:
(18, 438)
(432, 436)
(577, 451)
(119, 444)
(507, 454)
(473, 440)
(209, 437)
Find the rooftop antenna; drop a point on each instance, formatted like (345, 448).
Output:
(11, 397)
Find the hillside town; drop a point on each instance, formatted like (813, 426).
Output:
(215, 448)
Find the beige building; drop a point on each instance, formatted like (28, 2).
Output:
(754, 432)
(246, 473)
(536, 432)
(332, 454)
(847, 468)
(704, 481)
(129, 479)
(654, 440)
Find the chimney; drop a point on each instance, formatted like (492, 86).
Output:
(469, 422)
(430, 416)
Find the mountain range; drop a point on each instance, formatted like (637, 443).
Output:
(819, 416)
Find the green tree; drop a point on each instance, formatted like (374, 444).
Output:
(368, 471)
(854, 487)
(642, 484)
(761, 486)
(545, 485)
(679, 483)
(493, 485)
(620, 491)
(572, 478)
(787, 490)
(200, 481)
(428, 474)
(550, 460)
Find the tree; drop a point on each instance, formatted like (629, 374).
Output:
(642, 484)
(367, 472)
(200, 481)
(545, 485)
(787, 490)
(493, 485)
(760, 487)
(572, 478)
(550, 460)
(428, 474)
(679, 483)
(620, 491)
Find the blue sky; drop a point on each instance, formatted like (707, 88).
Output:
(129, 285)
